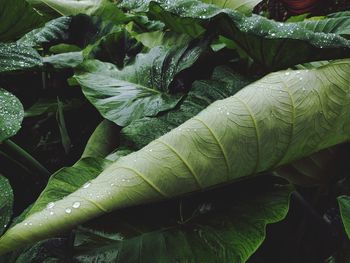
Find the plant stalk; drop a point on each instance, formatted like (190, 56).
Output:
(23, 157)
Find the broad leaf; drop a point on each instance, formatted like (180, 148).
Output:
(67, 180)
(115, 47)
(270, 43)
(45, 106)
(281, 118)
(344, 205)
(138, 90)
(65, 60)
(6, 203)
(200, 228)
(80, 30)
(69, 7)
(16, 57)
(17, 18)
(243, 6)
(11, 115)
(193, 228)
(103, 141)
(224, 83)
(55, 31)
(162, 38)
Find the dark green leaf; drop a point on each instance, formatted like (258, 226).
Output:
(16, 57)
(201, 228)
(114, 47)
(11, 115)
(344, 205)
(65, 139)
(54, 31)
(272, 44)
(17, 18)
(6, 203)
(43, 106)
(141, 89)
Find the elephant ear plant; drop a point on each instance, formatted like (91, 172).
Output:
(173, 131)
(282, 117)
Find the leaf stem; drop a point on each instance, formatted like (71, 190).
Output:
(23, 157)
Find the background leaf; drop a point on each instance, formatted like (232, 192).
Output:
(11, 115)
(138, 90)
(17, 18)
(53, 31)
(103, 141)
(69, 7)
(243, 6)
(344, 205)
(6, 203)
(269, 43)
(16, 57)
(199, 228)
(223, 84)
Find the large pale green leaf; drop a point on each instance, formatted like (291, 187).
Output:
(16, 57)
(344, 205)
(283, 117)
(103, 141)
(68, 180)
(138, 90)
(270, 43)
(224, 83)
(197, 228)
(69, 7)
(11, 115)
(17, 18)
(6, 203)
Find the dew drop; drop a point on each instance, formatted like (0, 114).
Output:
(287, 73)
(76, 205)
(68, 210)
(86, 185)
(50, 205)
(52, 213)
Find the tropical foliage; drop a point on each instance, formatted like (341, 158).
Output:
(173, 131)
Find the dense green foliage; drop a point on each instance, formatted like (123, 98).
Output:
(170, 131)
